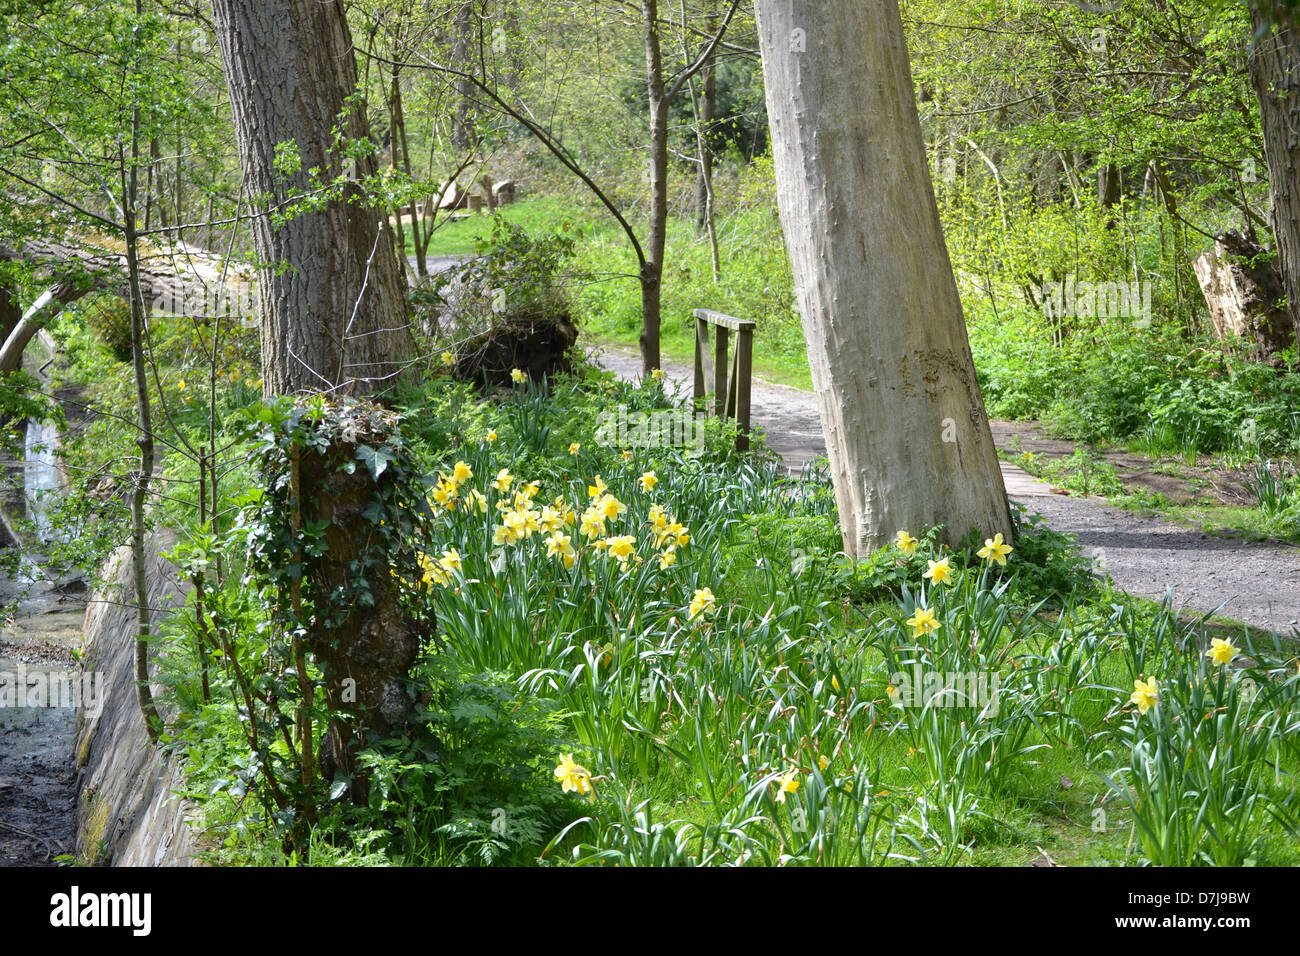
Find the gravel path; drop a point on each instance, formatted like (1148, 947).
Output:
(1255, 583)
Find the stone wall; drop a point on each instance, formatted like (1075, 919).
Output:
(127, 814)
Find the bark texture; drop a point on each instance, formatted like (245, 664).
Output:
(906, 431)
(1275, 75)
(333, 309)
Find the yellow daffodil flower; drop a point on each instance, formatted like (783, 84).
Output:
(1221, 651)
(906, 543)
(1145, 695)
(923, 622)
(574, 778)
(517, 376)
(702, 603)
(787, 784)
(648, 481)
(939, 571)
(995, 550)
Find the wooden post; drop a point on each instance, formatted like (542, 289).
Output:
(702, 375)
(744, 371)
(720, 374)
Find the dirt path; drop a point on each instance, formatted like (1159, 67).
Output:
(1255, 583)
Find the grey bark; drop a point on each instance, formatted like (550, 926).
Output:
(906, 432)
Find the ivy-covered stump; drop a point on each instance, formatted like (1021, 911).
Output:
(343, 497)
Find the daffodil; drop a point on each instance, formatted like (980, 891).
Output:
(574, 448)
(939, 571)
(476, 499)
(450, 560)
(517, 376)
(648, 481)
(995, 550)
(503, 480)
(703, 602)
(592, 524)
(559, 545)
(574, 778)
(610, 507)
(1221, 651)
(823, 762)
(923, 622)
(627, 454)
(667, 559)
(597, 487)
(491, 436)
(448, 358)
(657, 374)
(1145, 695)
(622, 547)
(787, 784)
(462, 473)
(906, 543)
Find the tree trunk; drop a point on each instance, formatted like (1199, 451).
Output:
(462, 133)
(653, 267)
(333, 302)
(907, 435)
(1275, 75)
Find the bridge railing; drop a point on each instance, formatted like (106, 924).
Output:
(729, 383)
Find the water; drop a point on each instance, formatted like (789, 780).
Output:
(40, 474)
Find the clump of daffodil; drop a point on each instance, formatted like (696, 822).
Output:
(939, 571)
(668, 531)
(906, 543)
(1221, 652)
(703, 602)
(923, 622)
(648, 481)
(444, 495)
(995, 550)
(574, 778)
(518, 376)
(788, 782)
(1146, 694)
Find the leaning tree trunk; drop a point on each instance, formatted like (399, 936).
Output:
(333, 302)
(1275, 75)
(907, 435)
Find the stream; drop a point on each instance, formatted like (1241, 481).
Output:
(40, 686)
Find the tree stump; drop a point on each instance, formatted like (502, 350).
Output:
(1245, 296)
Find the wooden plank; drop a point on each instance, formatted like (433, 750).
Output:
(722, 320)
